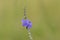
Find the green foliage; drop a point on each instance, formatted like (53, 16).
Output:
(45, 15)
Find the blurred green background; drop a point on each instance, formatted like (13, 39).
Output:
(44, 14)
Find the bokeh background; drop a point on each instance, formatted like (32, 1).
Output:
(44, 14)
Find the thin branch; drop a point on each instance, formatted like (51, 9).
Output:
(29, 33)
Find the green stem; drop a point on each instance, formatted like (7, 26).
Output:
(29, 33)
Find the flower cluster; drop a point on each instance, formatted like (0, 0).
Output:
(26, 23)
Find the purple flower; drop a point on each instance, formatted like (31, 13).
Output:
(26, 23)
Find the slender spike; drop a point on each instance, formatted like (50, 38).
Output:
(29, 33)
(25, 17)
(24, 11)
